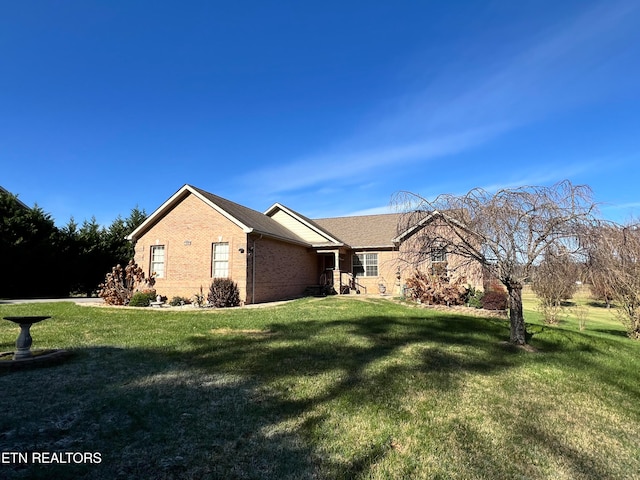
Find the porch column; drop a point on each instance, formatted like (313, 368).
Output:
(336, 271)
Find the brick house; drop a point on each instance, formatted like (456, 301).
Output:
(196, 236)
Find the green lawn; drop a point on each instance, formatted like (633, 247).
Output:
(323, 388)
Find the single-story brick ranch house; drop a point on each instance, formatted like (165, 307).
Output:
(196, 236)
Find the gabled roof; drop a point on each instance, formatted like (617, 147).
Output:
(303, 226)
(283, 223)
(420, 219)
(250, 221)
(365, 231)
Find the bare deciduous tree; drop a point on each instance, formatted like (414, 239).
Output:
(554, 280)
(614, 261)
(506, 232)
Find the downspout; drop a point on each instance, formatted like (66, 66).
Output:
(253, 271)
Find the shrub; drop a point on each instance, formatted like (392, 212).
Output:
(223, 293)
(553, 281)
(436, 290)
(474, 298)
(550, 312)
(494, 300)
(120, 284)
(198, 298)
(142, 299)
(178, 301)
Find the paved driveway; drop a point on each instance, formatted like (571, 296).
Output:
(96, 300)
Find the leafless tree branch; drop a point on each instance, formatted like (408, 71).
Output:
(507, 232)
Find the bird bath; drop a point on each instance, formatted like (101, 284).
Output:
(24, 356)
(24, 341)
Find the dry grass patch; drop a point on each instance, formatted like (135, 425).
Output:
(250, 332)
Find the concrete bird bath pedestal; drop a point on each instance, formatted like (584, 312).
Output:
(23, 344)
(24, 354)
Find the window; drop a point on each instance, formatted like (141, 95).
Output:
(157, 261)
(365, 264)
(439, 265)
(438, 255)
(220, 260)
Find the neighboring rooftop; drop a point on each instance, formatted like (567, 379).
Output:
(20, 202)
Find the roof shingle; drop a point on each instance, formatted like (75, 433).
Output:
(259, 222)
(364, 230)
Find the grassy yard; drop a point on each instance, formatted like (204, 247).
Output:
(323, 388)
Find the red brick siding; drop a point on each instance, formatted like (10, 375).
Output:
(390, 260)
(470, 272)
(387, 266)
(282, 270)
(188, 232)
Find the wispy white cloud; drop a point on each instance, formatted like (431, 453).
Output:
(534, 177)
(621, 206)
(549, 74)
(621, 212)
(339, 166)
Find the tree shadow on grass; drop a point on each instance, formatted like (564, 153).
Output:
(607, 331)
(245, 404)
(376, 357)
(371, 362)
(220, 409)
(148, 415)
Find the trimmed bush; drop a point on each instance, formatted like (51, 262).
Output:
(179, 301)
(223, 293)
(494, 300)
(142, 299)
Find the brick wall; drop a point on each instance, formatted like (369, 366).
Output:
(389, 261)
(188, 232)
(282, 270)
(387, 266)
(415, 254)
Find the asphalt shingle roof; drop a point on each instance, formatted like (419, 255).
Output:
(259, 222)
(364, 230)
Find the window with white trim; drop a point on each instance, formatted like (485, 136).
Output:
(438, 255)
(220, 260)
(439, 264)
(157, 261)
(365, 264)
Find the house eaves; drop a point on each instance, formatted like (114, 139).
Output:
(250, 221)
(330, 245)
(302, 226)
(170, 203)
(429, 217)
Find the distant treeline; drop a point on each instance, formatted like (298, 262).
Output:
(38, 259)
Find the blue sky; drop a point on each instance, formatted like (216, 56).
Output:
(327, 107)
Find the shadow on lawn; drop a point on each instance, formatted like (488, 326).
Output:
(221, 409)
(149, 415)
(371, 361)
(610, 331)
(243, 404)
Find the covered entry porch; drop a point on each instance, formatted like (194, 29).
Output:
(336, 272)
